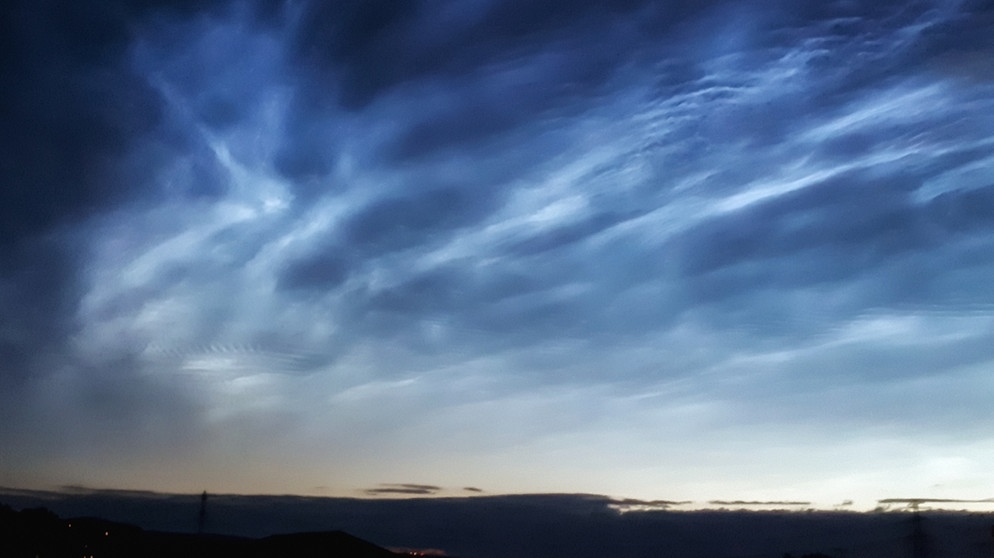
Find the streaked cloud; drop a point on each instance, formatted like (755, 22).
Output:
(465, 242)
(410, 489)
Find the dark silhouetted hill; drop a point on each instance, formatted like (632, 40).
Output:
(39, 533)
(314, 545)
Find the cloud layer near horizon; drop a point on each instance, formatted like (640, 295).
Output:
(520, 245)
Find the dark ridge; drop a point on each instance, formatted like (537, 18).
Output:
(39, 532)
(319, 544)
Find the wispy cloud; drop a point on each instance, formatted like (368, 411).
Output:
(458, 232)
(412, 489)
(789, 503)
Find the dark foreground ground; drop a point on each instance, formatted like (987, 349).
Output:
(523, 526)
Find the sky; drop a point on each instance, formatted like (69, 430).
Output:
(710, 250)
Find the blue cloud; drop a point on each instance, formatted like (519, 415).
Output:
(400, 220)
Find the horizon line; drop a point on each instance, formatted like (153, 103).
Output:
(620, 504)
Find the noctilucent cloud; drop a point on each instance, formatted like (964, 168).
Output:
(709, 250)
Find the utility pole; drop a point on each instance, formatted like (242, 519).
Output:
(918, 549)
(202, 518)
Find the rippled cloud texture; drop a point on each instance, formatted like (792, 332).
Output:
(686, 250)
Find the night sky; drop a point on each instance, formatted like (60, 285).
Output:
(691, 250)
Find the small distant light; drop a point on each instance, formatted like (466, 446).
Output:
(106, 533)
